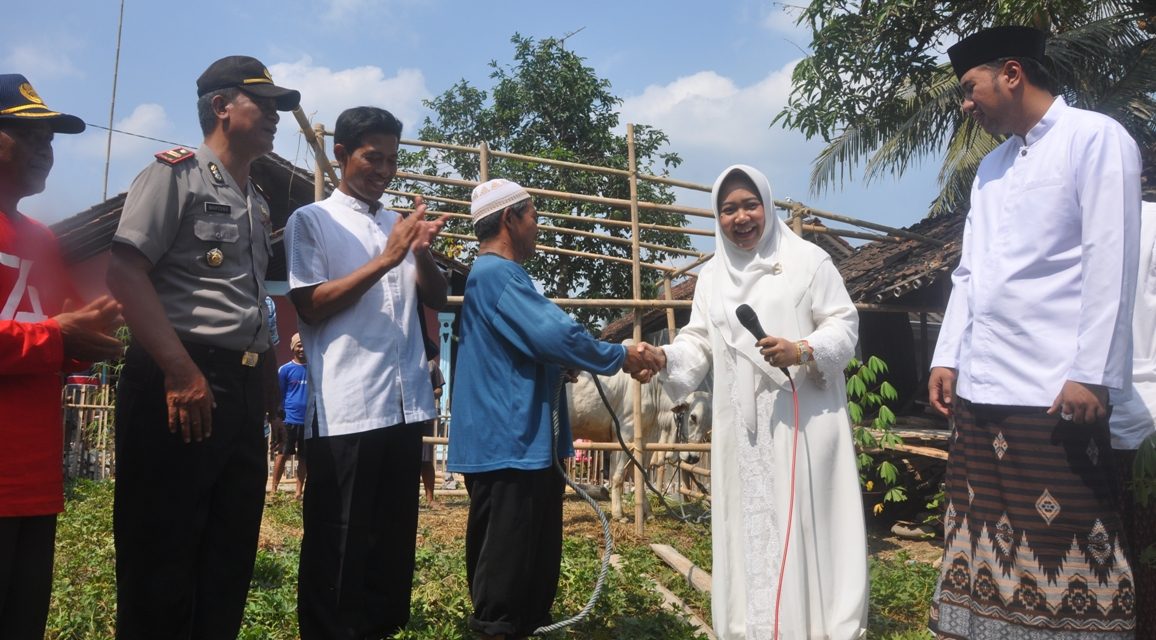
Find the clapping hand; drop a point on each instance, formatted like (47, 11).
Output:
(412, 233)
(426, 230)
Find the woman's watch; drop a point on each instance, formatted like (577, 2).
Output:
(806, 354)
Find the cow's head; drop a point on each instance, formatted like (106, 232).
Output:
(692, 419)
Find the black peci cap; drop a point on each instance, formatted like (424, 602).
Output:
(249, 75)
(995, 43)
(19, 102)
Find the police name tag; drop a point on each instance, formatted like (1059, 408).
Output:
(217, 207)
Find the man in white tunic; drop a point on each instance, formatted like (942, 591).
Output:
(358, 275)
(789, 543)
(1036, 333)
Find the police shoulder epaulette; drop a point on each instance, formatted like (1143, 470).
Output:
(176, 155)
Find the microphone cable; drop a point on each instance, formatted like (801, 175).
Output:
(608, 539)
(790, 505)
(626, 449)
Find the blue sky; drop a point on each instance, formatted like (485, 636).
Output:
(712, 79)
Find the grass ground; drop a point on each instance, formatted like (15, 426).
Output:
(83, 606)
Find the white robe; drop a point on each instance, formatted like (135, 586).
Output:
(798, 295)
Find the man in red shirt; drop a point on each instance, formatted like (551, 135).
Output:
(39, 339)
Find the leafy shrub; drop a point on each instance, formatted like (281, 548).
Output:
(867, 397)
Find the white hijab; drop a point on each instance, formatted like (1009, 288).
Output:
(772, 278)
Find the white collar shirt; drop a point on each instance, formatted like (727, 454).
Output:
(1044, 288)
(1132, 420)
(367, 365)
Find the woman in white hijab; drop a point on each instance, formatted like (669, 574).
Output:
(812, 329)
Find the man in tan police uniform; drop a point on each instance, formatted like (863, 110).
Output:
(188, 263)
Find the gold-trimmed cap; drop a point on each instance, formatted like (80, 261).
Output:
(19, 102)
(249, 75)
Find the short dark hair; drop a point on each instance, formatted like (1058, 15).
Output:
(1035, 71)
(488, 226)
(205, 113)
(358, 123)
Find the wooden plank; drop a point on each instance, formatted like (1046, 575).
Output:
(930, 452)
(672, 602)
(698, 578)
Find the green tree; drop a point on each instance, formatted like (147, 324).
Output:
(549, 104)
(879, 91)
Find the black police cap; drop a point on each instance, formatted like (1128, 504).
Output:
(249, 75)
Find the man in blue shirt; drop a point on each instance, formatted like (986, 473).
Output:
(294, 382)
(514, 347)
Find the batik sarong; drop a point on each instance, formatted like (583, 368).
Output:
(1032, 536)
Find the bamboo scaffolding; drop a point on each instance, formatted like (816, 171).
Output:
(654, 246)
(562, 195)
(616, 240)
(561, 163)
(568, 252)
(485, 155)
(313, 137)
(610, 303)
(484, 152)
(686, 269)
(636, 288)
(606, 222)
(859, 223)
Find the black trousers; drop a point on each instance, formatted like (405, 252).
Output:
(513, 549)
(186, 516)
(360, 517)
(26, 547)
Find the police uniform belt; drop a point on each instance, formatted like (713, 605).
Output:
(225, 357)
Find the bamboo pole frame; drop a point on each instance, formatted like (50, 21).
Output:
(636, 287)
(605, 222)
(583, 234)
(569, 252)
(315, 135)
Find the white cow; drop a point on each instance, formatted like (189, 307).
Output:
(590, 420)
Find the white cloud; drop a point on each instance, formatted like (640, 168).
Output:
(713, 122)
(148, 119)
(340, 10)
(326, 92)
(46, 57)
(353, 12)
(780, 18)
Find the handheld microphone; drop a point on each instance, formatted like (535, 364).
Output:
(750, 320)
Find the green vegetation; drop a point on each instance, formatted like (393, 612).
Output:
(84, 599)
(867, 397)
(548, 103)
(879, 92)
(901, 590)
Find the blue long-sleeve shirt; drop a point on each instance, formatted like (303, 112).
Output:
(514, 345)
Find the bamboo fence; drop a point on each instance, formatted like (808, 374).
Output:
(797, 213)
